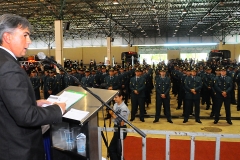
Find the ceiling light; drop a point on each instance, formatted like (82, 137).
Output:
(142, 30)
(157, 28)
(205, 32)
(126, 14)
(194, 26)
(190, 31)
(180, 20)
(176, 30)
(115, 2)
(211, 29)
(177, 26)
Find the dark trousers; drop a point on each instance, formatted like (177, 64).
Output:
(238, 98)
(46, 94)
(114, 144)
(189, 106)
(181, 96)
(37, 94)
(226, 102)
(137, 101)
(159, 102)
(233, 99)
(208, 95)
(214, 104)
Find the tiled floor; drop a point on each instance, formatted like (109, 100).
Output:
(178, 125)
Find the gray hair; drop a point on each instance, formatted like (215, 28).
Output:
(9, 22)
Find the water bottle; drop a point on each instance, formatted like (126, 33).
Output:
(81, 143)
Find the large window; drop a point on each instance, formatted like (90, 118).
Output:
(150, 58)
(195, 56)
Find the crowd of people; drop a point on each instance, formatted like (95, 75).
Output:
(190, 82)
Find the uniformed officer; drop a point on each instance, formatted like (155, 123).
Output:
(193, 85)
(86, 81)
(112, 82)
(218, 73)
(51, 83)
(223, 86)
(237, 80)
(181, 95)
(44, 84)
(163, 85)
(60, 81)
(68, 79)
(103, 74)
(137, 87)
(35, 80)
(94, 78)
(207, 85)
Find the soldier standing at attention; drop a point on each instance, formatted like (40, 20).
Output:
(51, 83)
(223, 86)
(137, 87)
(163, 85)
(207, 85)
(193, 85)
(86, 81)
(60, 81)
(35, 80)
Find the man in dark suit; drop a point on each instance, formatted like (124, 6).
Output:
(21, 115)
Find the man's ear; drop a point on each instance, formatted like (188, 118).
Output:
(7, 37)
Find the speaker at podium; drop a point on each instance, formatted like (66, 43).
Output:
(63, 135)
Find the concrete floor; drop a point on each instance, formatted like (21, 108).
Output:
(178, 125)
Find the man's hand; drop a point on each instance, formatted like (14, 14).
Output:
(50, 92)
(192, 90)
(109, 88)
(163, 96)
(62, 106)
(135, 91)
(42, 101)
(224, 94)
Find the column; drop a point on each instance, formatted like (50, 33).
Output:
(109, 49)
(59, 41)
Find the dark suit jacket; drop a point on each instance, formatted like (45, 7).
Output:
(21, 118)
(221, 85)
(163, 86)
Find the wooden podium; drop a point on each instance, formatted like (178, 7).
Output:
(61, 150)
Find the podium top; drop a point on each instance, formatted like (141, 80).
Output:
(89, 103)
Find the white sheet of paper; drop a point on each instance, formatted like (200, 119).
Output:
(68, 97)
(76, 114)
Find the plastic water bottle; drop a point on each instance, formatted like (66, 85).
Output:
(81, 143)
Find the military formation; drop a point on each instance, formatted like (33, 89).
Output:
(211, 84)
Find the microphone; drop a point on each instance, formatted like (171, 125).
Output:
(42, 56)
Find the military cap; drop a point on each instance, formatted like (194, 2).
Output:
(33, 71)
(111, 69)
(217, 69)
(194, 69)
(103, 67)
(162, 69)
(137, 70)
(223, 69)
(69, 70)
(208, 68)
(87, 70)
(188, 69)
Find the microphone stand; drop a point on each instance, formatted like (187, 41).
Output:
(98, 98)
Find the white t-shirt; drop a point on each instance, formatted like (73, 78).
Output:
(121, 109)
